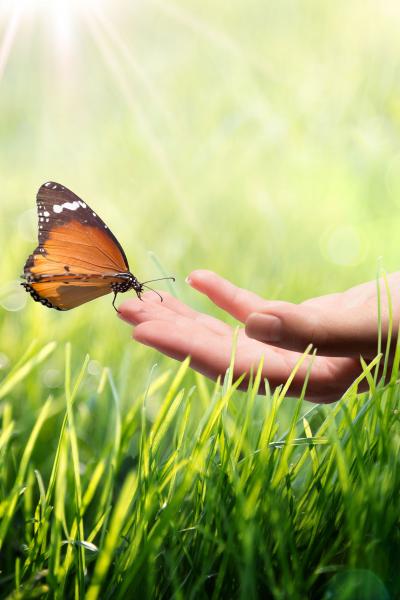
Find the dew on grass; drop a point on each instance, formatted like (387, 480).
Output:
(94, 368)
(52, 378)
(13, 296)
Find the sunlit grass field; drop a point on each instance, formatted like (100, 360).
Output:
(257, 139)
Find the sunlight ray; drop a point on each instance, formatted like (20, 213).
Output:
(128, 57)
(9, 37)
(156, 148)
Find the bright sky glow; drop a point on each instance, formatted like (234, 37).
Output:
(60, 17)
(53, 6)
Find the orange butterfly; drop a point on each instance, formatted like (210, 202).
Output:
(78, 258)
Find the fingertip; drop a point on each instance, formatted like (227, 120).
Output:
(140, 332)
(130, 309)
(200, 275)
(124, 310)
(202, 279)
(135, 334)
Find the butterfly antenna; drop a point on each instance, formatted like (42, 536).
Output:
(155, 291)
(160, 279)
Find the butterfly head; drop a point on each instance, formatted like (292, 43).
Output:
(127, 281)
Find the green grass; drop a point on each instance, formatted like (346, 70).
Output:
(257, 139)
(245, 501)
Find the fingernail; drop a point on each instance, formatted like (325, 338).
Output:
(267, 327)
(188, 280)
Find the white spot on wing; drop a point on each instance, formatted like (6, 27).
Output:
(48, 184)
(58, 208)
(71, 205)
(55, 186)
(46, 213)
(82, 204)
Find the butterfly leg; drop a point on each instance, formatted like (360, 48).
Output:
(113, 302)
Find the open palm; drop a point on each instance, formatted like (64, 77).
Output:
(342, 326)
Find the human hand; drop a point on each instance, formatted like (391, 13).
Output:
(179, 331)
(342, 324)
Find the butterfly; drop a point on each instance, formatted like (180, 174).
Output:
(78, 258)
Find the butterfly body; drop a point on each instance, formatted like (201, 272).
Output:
(78, 258)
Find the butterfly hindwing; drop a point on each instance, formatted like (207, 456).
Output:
(64, 295)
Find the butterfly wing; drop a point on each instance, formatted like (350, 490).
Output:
(64, 294)
(78, 258)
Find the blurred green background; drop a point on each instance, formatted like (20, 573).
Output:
(257, 139)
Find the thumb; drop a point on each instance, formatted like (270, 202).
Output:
(333, 332)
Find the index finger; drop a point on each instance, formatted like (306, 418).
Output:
(240, 303)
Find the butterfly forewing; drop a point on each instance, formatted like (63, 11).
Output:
(67, 223)
(78, 258)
